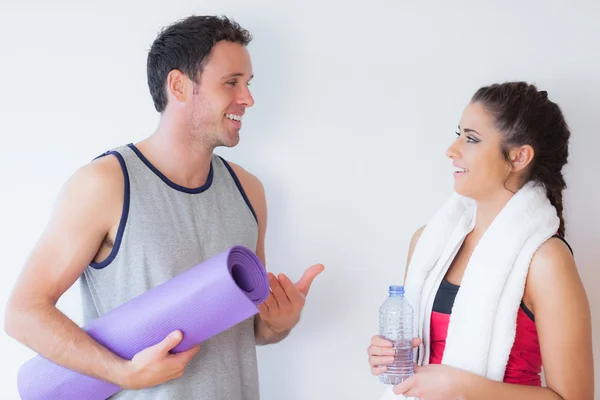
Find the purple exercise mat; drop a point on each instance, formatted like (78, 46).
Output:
(201, 302)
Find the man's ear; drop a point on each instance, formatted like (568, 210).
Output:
(177, 83)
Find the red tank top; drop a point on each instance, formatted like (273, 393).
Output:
(525, 360)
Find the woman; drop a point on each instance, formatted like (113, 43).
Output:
(521, 299)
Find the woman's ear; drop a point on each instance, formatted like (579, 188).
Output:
(521, 157)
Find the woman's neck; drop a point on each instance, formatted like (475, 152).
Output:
(488, 210)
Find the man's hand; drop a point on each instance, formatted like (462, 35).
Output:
(281, 311)
(156, 364)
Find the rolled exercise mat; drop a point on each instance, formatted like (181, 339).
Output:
(203, 301)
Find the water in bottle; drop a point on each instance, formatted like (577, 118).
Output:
(396, 325)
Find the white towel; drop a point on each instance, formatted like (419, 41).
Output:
(482, 325)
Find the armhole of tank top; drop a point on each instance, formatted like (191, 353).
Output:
(527, 311)
(523, 306)
(556, 235)
(239, 186)
(124, 213)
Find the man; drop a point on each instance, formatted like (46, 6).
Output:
(141, 214)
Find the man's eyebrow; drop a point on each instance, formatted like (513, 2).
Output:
(237, 74)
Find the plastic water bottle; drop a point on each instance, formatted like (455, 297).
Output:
(396, 325)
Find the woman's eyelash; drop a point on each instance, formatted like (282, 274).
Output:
(470, 139)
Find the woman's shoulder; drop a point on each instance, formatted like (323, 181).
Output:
(562, 239)
(552, 271)
(553, 253)
(411, 247)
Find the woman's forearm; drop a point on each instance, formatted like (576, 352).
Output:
(479, 388)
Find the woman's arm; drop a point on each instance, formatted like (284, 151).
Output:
(563, 319)
(557, 297)
(411, 248)
(381, 351)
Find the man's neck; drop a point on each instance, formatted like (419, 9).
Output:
(177, 154)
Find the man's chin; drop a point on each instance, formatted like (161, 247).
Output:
(231, 139)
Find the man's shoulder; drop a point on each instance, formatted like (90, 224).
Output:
(253, 188)
(104, 170)
(102, 177)
(248, 180)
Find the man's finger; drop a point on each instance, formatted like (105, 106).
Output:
(263, 310)
(186, 356)
(271, 302)
(307, 278)
(291, 290)
(416, 342)
(282, 300)
(169, 342)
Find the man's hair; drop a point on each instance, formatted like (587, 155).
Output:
(186, 46)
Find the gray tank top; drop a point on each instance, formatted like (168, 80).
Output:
(164, 230)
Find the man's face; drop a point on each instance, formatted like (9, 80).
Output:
(221, 96)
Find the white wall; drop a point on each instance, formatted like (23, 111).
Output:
(355, 106)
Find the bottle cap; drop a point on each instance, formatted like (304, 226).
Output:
(396, 289)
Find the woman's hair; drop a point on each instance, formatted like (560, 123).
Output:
(525, 116)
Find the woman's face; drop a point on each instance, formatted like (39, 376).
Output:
(481, 171)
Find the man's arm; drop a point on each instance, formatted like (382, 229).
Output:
(256, 195)
(281, 311)
(79, 223)
(87, 209)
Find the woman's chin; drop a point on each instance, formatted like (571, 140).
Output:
(464, 190)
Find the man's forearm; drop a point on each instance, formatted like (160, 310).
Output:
(264, 335)
(46, 330)
(479, 388)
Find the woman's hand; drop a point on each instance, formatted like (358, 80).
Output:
(381, 353)
(434, 382)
